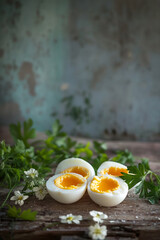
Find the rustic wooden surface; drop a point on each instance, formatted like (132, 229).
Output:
(134, 218)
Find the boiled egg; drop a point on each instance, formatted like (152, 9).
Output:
(76, 165)
(107, 191)
(66, 187)
(111, 168)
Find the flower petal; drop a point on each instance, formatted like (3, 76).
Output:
(76, 221)
(20, 202)
(17, 193)
(93, 213)
(13, 198)
(25, 197)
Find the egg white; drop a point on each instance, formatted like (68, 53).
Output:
(66, 196)
(109, 199)
(108, 164)
(71, 162)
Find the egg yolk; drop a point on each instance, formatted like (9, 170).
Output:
(68, 181)
(104, 184)
(114, 171)
(79, 170)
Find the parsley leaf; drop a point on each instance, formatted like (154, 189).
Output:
(84, 151)
(23, 215)
(23, 134)
(99, 160)
(124, 157)
(99, 147)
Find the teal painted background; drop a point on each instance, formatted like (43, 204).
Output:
(95, 65)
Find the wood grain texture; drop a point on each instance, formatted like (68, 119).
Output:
(134, 218)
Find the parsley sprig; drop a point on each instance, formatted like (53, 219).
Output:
(146, 182)
(23, 133)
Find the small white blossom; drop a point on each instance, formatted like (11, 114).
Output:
(31, 173)
(69, 218)
(19, 198)
(40, 192)
(97, 232)
(98, 216)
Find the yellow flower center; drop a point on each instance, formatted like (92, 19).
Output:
(97, 231)
(41, 191)
(32, 175)
(20, 198)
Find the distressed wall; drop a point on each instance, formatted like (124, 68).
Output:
(95, 65)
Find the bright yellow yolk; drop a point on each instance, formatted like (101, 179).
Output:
(68, 181)
(115, 171)
(79, 170)
(104, 184)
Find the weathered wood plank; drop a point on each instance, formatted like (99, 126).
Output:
(126, 220)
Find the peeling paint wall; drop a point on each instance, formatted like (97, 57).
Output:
(92, 64)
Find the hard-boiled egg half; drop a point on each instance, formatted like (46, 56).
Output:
(111, 168)
(76, 165)
(108, 189)
(69, 183)
(66, 187)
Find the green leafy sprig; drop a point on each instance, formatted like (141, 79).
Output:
(19, 214)
(146, 182)
(13, 161)
(124, 157)
(23, 133)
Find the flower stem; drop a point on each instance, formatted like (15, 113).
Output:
(3, 204)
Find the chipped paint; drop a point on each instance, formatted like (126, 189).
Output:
(1, 53)
(26, 72)
(64, 86)
(10, 112)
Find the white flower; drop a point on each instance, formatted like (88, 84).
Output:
(98, 216)
(40, 192)
(31, 173)
(97, 232)
(69, 218)
(18, 198)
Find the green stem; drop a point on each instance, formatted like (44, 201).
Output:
(156, 176)
(151, 176)
(3, 204)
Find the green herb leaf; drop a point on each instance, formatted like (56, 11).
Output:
(28, 215)
(84, 152)
(23, 215)
(124, 157)
(23, 134)
(136, 174)
(99, 147)
(99, 160)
